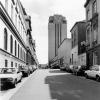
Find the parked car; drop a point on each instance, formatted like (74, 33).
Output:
(68, 68)
(25, 71)
(79, 69)
(71, 68)
(93, 72)
(34, 67)
(75, 69)
(63, 67)
(10, 76)
(30, 69)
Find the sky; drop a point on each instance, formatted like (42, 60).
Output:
(40, 10)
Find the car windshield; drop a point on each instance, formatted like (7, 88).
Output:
(7, 70)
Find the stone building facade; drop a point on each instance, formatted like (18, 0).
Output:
(78, 52)
(93, 31)
(13, 34)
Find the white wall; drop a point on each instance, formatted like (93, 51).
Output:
(65, 51)
(74, 51)
(82, 59)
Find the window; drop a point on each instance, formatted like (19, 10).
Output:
(88, 35)
(94, 7)
(11, 44)
(19, 25)
(95, 58)
(16, 65)
(6, 63)
(18, 50)
(72, 40)
(12, 12)
(16, 19)
(6, 5)
(11, 64)
(88, 14)
(21, 54)
(15, 48)
(5, 38)
(95, 29)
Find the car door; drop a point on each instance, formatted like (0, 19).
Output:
(96, 71)
(91, 72)
(19, 74)
(18, 77)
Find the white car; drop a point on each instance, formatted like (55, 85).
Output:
(71, 68)
(94, 72)
(10, 76)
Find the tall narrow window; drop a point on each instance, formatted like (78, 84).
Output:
(88, 35)
(18, 50)
(94, 7)
(88, 14)
(95, 58)
(16, 65)
(5, 38)
(95, 31)
(12, 12)
(15, 48)
(6, 63)
(16, 19)
(11, 64)
(11, 44)
(6, 5)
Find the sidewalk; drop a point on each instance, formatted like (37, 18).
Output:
(35, 88)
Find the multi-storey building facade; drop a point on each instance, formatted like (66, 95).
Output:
(57, 34)
(13, 30)
(78, 52)
(92, 31)
(64, 53)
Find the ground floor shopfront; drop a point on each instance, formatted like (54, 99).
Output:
(93, 56)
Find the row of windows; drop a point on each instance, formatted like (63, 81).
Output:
(12, 64)
(16, 18)
(20, 53)
(6, 64)
(94, 9)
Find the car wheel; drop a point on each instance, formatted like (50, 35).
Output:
(86, 76)
(20, 79)
(97, 78)
(14, 84)
(76, 73)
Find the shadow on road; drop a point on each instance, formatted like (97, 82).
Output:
(70, 87)
(57, 71)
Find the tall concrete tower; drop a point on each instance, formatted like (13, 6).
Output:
(57, 32)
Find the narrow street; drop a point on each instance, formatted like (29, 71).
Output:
(50, 84)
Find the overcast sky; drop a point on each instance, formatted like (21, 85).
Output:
(40, 10)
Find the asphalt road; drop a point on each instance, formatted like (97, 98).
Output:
(57, 85)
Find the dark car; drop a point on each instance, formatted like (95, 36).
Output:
(31, 69)
(80, 69)
(25, 71)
